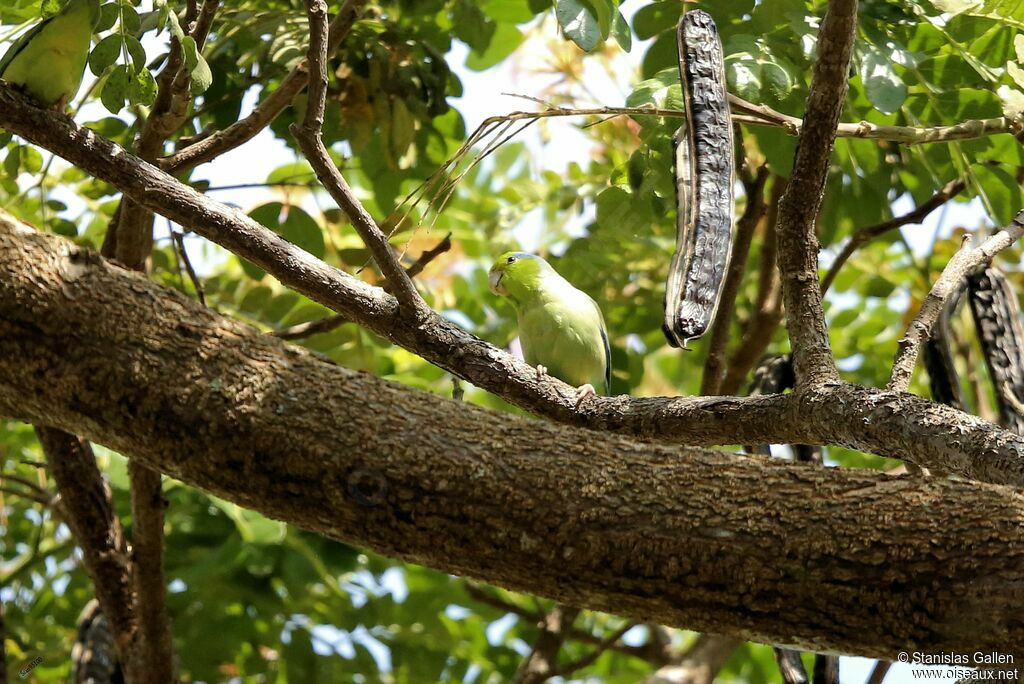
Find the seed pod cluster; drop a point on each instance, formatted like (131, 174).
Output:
(704, 184)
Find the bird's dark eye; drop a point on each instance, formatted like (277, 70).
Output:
(511, 260)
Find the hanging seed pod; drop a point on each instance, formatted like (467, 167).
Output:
(997, 320)
(704, 184)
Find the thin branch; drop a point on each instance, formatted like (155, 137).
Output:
(960, 265)
(481, 595)
(606, 644)
(798, 209)
(153, 651)
(321, 325)
(310, 140)
(879, 671)
(89, 513)
(714, 369)
(31, 495)
(329, 323)
(179, 244)
(700, 663)
(542, 663)
(429, 255)
(24, 482)
(265, 112)
(759, 329)
(865, 235)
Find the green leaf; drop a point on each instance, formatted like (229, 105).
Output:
(884, 88)
(199, 70)
(472, 26)
(293, 224)
(12, 163)
(104, 55)
(621, 32)
(506, 39)
(579, 21)
(136, 52)
(1000, 192)
(142, 89)
(650, 20)
(115, 89)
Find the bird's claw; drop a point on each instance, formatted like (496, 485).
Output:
(584, 391)
(541, 372)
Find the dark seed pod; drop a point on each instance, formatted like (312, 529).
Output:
(997, 320)
(938, 358)
(704, 184)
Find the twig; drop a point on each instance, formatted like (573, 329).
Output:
(799, 207)
(329, 323)
(597, 652)
(960, 265)
(767, 314)
(440, 248)
(24, 482)
(479, 594)
(865, 235)
(310, 140)
(179, 243)
(711, 382)
(266, 111)
(321, 325)
(31, 495)
(879, 671)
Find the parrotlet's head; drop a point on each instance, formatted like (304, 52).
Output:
(517, 275)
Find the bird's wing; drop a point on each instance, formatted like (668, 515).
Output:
(21, 44)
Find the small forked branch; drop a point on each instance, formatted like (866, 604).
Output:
(310, 139)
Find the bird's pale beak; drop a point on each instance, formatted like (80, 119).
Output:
(494, 280)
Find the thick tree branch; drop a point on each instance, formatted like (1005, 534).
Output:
(530, 505)
(960, 266)
(798, 209)
(861, 418)
(866, 235)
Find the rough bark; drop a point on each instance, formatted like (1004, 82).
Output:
(814, 558)
(798, 209)
(851, 416)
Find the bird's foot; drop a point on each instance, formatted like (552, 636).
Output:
(584, 391)
(541, 372)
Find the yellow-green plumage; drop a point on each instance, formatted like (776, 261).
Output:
(49, 60)
(560, 327)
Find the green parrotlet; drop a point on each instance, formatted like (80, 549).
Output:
(561, 328)
(48, 61)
